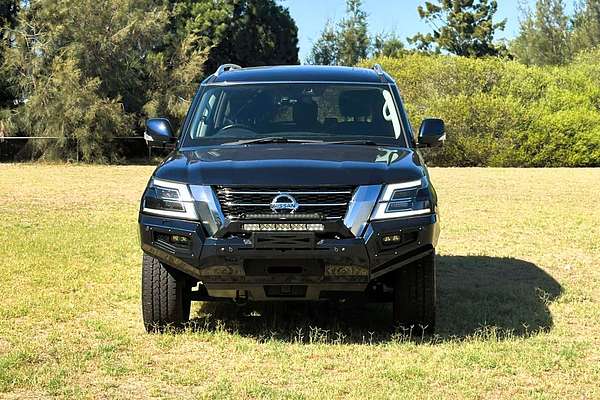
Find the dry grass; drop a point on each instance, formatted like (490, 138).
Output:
(519, 304)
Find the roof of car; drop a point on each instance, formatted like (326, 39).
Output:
(298, 73)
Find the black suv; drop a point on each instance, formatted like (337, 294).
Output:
(291, 183)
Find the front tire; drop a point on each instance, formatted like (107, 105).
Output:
(415, 295)
(166, 296)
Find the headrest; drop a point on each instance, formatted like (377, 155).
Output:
(356, 103)
(305, 110)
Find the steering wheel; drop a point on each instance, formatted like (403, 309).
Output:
(234, 126)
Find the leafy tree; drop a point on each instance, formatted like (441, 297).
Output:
(586, 29)
(545, 35)
(461, 27)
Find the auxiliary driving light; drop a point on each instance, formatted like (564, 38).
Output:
(181, 240)
(394, 238)
(283, 227)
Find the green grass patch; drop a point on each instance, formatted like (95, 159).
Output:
(518, 312)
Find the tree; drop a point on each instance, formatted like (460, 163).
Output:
(245, 32)
(345, 44)
(8, 12)
(86, 70)
(461, 27)
(388, 46)
(92, 70)
(8, 16)
(325, 50)
(586, 25)
(353, 37)
(545, 36)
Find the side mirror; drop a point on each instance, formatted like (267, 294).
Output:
(432, 133)
(158, 132)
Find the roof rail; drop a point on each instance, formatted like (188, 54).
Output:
(377, 68)
(226, 67)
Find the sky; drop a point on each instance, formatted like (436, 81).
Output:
(389, 16)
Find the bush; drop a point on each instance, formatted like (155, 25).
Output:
(502, 113)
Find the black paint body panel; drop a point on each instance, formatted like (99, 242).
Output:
(291, 165)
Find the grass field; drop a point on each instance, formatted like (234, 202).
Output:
(519, 301)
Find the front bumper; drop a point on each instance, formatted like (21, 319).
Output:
(287, 266)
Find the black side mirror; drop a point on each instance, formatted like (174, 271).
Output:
(432, 133)
(158, 132)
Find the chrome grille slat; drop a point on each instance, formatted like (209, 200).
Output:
(229, 192)
(300, 204)
(330, 202)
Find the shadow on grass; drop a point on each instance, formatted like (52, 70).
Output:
(476, 295)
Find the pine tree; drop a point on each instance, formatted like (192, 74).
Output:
(461, 27)
(387, 46)
(88, 71)
(81, 70)
(545, 35)
(8, 17)
(325, 50)
(345, 44)
(586, 29)
(353, 37)
(245, 32)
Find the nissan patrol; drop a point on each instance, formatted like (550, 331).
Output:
(291, 183)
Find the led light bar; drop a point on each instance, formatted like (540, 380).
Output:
(283, 227)
(305, 216)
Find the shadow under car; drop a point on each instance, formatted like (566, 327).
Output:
(474, 293)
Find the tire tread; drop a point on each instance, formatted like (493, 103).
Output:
(415, 294)
(165, 296)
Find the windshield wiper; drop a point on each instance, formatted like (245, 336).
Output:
(356, 142)
(272, 139)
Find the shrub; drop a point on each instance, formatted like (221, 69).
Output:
(502, 113)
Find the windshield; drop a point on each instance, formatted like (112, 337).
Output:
(328, 112)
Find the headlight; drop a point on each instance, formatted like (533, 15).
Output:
(169, 199)
(403, 200)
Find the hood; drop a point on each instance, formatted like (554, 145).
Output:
(291, 164)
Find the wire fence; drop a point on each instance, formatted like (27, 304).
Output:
(14, 148)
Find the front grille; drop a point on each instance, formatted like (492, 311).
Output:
(328, 201)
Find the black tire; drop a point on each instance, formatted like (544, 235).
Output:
(166, 296)
(415, 296)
